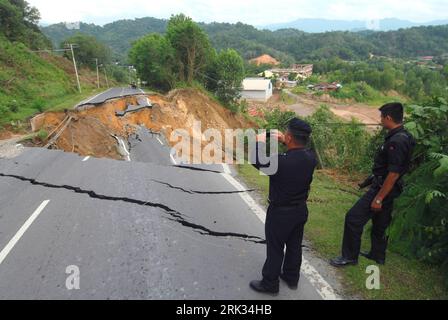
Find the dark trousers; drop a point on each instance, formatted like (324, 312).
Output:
(284, 227)
(358, 216)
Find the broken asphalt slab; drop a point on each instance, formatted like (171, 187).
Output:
(125, 249)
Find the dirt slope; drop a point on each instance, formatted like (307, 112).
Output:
(91, 131)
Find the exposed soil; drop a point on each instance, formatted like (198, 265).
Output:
(91, 131)
(306, 104)
(265, 59)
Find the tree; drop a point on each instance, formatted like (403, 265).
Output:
(191, 45)
(87, 50)
(18, 22)
(229, 74)
(414, 86)
(154, 58)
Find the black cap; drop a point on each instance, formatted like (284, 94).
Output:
(299, 127)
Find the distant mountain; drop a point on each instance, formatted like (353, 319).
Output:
(285, 45)
(323, 25)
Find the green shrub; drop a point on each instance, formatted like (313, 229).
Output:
(13, 106)
(342, 145)
(42, 135)
(3, 112)
(420, 226)
(359, 91)
(38, 104)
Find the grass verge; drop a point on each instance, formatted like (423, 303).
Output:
(401, 277)
(71, 100)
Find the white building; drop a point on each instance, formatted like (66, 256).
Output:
(258, 89)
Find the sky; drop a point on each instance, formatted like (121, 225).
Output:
(254, 12)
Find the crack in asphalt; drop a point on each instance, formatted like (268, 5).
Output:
(174, 215)
(196, 169)
(201, 192)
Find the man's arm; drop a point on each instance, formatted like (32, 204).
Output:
(387, 187)
(397, 151)
(261, 144)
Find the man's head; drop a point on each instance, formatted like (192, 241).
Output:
(391, 115)
(297, 134)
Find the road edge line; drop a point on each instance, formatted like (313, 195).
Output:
(324, 289)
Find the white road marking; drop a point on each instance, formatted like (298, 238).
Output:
(86, 158)
(253, 205)
(172, 159)
(160, 141)
(226, 168)
(319, 283)
(22, 230)
(128, 155)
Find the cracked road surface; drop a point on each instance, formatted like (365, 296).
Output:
(111, 94)
(143, 229)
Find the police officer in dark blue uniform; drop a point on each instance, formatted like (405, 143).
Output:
(390, 164)
(287, 214)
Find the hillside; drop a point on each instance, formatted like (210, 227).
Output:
(286, 44)
(31, 82)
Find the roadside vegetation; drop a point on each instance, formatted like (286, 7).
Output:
(185, 56)
(330, 199)
(417, 263)
(374, 79)
(34, 80)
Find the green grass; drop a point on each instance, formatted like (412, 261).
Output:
(70, 100)
(357, 91)
(286, 98)
(30, 84)
(300, 90)
(401, 278)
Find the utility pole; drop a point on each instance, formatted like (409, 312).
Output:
(76, 68)
(97, 73)
(105, 76)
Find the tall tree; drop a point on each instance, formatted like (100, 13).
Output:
(228, 74)
(192, 47)
(153, 57)
(18, 22)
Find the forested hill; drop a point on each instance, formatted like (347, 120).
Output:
(286, 44)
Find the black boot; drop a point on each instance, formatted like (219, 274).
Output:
(342, 262)
(258, 286)
(291, 285)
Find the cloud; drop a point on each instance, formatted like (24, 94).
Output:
(256, 12)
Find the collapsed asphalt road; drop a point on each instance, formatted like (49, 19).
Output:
(145, 229)
(111, 94)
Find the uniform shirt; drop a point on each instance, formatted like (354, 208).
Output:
(395, 153)
(290, 184)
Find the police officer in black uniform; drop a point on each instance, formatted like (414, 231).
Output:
(287, 213)
(390, 164)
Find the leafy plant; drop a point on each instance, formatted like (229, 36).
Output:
(420, 225)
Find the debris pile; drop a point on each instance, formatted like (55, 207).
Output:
(93, 130)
